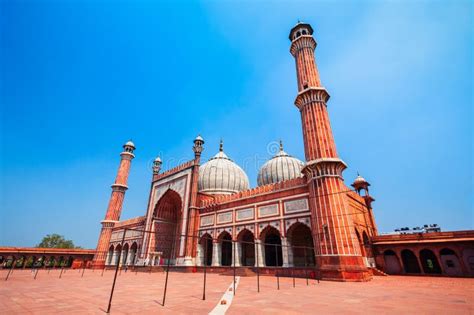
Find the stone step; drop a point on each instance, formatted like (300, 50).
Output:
(378, 272)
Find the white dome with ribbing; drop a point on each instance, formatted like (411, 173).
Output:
(280, 168)
(220, 175)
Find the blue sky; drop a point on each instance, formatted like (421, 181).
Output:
(79, 78)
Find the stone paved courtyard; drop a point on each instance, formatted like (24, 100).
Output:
(142, 293)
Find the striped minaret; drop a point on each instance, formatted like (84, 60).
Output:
(336, 246)
(115, 204)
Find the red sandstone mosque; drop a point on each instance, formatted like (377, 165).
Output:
(206, 214)
(296, 205)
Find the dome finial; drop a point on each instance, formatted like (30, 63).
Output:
(221, 146)
(281, 145)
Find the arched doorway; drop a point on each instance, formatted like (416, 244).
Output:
(205, 249)
(70, 260)
(468, 257)
(110, 255)
(166, 218)
(226, 248)
(117, 254)
(272, 241)
(247, 248)
(302, 248)
(41, 262)
(410, 262)
(392, 264)
(429, 262)
(21, 262)
(450, 262)
(61, 261)
(133, 253)
(10, 261)
(125, 254)
(52, 262)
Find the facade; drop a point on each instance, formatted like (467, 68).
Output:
(301, 214)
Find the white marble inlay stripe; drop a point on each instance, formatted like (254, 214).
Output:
(228, 296)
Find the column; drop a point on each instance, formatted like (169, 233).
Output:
(285, 252)
(236, 249)
(216, 254)
(200, 255)
(259, 254)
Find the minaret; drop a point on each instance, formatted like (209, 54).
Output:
(336, 247)
(193, 220)
(115, 204)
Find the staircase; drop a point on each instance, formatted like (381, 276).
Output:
(378, 272)
(241, 272)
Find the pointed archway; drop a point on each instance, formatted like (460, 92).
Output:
(226, 248)
(301, 242)
(410, 262)
(166, 222)
(429, 262)
(246, 240)
(271, 239)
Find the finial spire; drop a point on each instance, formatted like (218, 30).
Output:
(281, 145)
(221, 146)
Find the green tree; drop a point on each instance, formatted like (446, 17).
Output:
(56, 241)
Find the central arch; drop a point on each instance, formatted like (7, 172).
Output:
(166, 218)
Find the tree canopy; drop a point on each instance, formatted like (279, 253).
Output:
(56, 241)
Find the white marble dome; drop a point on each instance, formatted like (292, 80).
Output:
(220, 175)
(280, 168)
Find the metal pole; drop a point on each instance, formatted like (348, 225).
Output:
(167, 271)
(276, 267)
(258, 268)
(306, 266)
(115, 275)
(205, 269)
(233, 259)
(293, 272)
(10, 270)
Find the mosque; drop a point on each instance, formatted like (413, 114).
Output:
(301, 215)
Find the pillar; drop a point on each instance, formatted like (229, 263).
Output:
(200, 259)
(236, 254)
(216, 254)
(285, 249)
(259, 254)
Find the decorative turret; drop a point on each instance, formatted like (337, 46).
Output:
(360, 184)
(157, 166)
(198, 145)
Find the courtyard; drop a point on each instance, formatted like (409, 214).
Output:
(143, 293)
